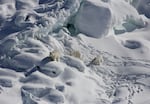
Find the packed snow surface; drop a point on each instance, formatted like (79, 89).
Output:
(102, 47)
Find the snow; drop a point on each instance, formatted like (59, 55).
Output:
(115, 30)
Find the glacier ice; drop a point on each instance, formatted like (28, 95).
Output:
(143, 6)
(93, 19)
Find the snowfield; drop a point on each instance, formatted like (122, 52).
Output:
(103, 51)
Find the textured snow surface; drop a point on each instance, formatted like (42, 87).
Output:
(80, 31)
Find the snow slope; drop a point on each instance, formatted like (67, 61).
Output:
(117, 31)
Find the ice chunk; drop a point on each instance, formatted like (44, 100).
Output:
(133, 23)
(119, 30)
(93, 19)
(49, 94)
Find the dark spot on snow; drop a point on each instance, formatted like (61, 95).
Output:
(71, 28)
(60, 88)
(38, 67)
(53, 72)
(69, 83)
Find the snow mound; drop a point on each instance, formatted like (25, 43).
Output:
(36, 78)
(7, 45)
(55, 96)
(52, 69)
(75, 62)
(93, 19)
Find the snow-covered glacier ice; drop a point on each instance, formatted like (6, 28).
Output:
(80, 31)
(93, 19)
